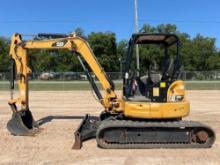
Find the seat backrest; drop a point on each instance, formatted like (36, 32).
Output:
(155, 77)
(168, 68)
(176, 70)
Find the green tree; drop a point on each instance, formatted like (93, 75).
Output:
(4, 55)
(105, 48)
(198, 53)
(162, 28)
(122, 47)
(80, 32)
(204, 50)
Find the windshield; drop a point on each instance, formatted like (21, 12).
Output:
(152, 57)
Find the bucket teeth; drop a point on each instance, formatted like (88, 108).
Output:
(22, 124)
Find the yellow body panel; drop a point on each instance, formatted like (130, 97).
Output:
(177, 88)
(151, 110)
(163, 110)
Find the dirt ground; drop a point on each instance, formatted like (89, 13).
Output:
(53, 144)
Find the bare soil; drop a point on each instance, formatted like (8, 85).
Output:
(53, 144)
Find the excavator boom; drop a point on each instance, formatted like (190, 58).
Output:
(22, 120)
(77, 45)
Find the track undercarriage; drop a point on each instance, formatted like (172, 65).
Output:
(116, 133)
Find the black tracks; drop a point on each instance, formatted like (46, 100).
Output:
(123, 134)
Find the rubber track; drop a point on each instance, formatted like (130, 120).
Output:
(137, 124)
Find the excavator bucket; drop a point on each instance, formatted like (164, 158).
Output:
(22, 124)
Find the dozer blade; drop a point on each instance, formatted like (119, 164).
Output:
(86, 130)
(22, 124)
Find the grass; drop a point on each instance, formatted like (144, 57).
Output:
(56, 85)
(84, 85)
(203, 85)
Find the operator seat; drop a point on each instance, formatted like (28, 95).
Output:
(155, 77)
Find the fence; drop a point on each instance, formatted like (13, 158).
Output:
(205, 80)
(70, 76)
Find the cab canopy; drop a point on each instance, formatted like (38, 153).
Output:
(165, 39)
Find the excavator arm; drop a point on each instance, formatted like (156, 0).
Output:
(77, 45)
(22, 122)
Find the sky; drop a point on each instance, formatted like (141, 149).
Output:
(63, 16)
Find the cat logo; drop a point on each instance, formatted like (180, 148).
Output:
(59, 44)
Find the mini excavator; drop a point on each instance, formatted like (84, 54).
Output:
(149, 113)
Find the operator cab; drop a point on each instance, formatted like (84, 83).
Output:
(159, 67)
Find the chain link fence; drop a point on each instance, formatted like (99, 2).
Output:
(80, 76)
(198, 80)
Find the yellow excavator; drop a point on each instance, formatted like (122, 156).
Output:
(147, 115)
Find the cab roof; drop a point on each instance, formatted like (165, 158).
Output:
(154, 38)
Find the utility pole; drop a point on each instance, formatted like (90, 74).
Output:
(136, 31)
(120, 60)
